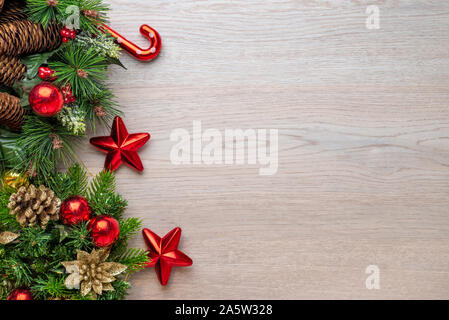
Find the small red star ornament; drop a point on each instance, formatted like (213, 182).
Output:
(164, 253)
(121, 147)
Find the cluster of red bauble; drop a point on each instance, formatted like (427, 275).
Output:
(104, 229)
(68, 34)
(45, 98)
(45, 73)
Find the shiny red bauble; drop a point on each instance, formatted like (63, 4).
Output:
(75, 210)
(104, 230)
(46, 99)
(20, 294)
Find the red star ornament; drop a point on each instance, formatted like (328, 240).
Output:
(121, 147)
(164, 253)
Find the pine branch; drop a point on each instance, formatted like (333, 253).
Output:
(135, 259)
(100, 108)
(129, 227)
(85, 70)
(79, 238)
(38, 149)
(50, 286)
(43, 11)
(102, 197)
(91, 13)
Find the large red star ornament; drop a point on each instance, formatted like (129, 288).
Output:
(121, 147)
(164, 253)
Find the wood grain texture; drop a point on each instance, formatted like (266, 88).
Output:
(363, 118)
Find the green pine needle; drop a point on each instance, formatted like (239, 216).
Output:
(83, 69)
(102, 196)
(87, 22)
(40, 11)
(135, 259)
(36, 144)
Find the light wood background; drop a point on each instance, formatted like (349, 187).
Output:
(363, 148)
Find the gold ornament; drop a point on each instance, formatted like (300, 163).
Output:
(34, 205)
(92, 272)
(14, 179)
(7, 237)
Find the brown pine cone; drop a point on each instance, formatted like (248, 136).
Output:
(32, 206)
(11, 69)
(11, 112)
(12, 10)
(25, 37)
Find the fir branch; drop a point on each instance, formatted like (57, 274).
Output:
(37, 145)
(33, 243)
(7, 221)
(92, 12)
(79, 179)
(79, 238)
(129, 227)
(102, 197)
(119, 293)
(83, 69)
(135, 259)
(50, 286)
(100, 108)
(43, 11)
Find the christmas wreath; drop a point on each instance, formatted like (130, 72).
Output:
(60, 237)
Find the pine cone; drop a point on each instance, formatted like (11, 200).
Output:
(32, 206)
(11, 69)
(2, 2)
(25, 37)
(12, 11)
(11, 112)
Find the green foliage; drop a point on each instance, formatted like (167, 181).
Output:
(104, 44)
(83, 68)
(65, 11)
(135, 259)
(87, 22)
(73, 182)
(7, 221)
(40, 11)
(36, 144)
(102, 196)
(72, 118)
(79, 238)
(51, 286)
(119, 293)
(103, 99)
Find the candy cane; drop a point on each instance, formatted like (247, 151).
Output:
(139, 53)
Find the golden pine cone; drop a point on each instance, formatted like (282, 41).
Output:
(11, 112)
(34, 205)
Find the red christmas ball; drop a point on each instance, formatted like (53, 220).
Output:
(104, 230)
(20, 294)
(74, 210)
(46, 99)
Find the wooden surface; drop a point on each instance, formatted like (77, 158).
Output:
(363, 118)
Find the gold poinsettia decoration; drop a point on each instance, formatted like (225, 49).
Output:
(92, 272)
(7, 237)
